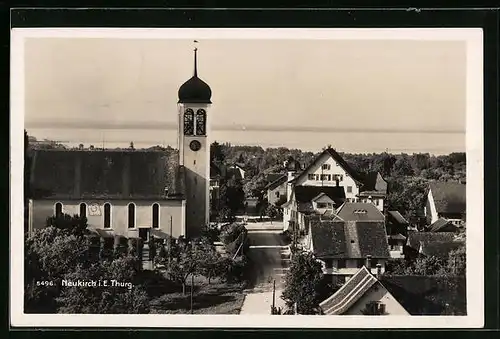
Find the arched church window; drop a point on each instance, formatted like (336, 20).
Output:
(131, 215)
(107, 215)
(156, 215)
(201, 123)
(189, 122)
(58, 209)
(83, 210)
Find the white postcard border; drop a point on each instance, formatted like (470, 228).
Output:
(475, 185)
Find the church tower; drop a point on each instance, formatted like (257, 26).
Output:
(194, 149)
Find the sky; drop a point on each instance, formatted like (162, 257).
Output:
(355, 95)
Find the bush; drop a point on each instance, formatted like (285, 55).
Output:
(237, 269)
(231, 232)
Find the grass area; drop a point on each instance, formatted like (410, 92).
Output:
(214, 298)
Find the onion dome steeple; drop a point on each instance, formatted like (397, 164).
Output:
(195, 90)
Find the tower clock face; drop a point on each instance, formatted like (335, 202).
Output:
(195, 145)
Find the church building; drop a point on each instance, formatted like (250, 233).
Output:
(131, 192)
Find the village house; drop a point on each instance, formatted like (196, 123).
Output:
(437, 244)
(329, 169)
(133, 193)
(444, 225)
(240, 168)
(310, 200)
(367, 293)
(276, 191)
(363, 294)
(446, 200)
(343, 246)
(397, 231)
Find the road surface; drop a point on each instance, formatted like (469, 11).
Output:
(270, 257)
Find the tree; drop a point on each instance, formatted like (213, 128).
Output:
(402, 167)
(303, 283)
(71, 224)
(210, 263)
(407, 195)
(182, 261)
(457, 261)
(217, 152)
(232, 197)
(49, 254)
(271, 211)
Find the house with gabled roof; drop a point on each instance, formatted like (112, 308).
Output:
(437, 244)
(446, 200)
(344, 245)
(329, 169)
(362, 294)
(276, 190)
(310, 200)
(380, 294)
(443, 225)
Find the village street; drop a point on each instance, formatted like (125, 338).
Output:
(270, 256)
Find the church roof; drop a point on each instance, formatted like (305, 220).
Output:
(106, 174)
(195, 90)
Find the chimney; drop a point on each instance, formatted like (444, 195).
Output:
(289, 186)
(379, 271)
(368, 262)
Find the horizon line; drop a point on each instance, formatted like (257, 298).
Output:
(83, 125)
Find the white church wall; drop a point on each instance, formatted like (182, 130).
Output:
(175, 209)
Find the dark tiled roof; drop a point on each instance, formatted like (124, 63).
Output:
(305, 207)
(449, 197)
(328, 237)
(113, 174)
(373, 182)
(352, 239)
(441, 225)
(272, 185)
(414, 238)
(372, 239)
(273, 177)
(397, 237)
(428, 295)
(395, 216)
(308, 193)
(349, 293)
(359, 211)
(439, 249)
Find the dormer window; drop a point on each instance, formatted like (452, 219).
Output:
(359, 211)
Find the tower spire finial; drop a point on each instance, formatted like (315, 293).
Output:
(195, 59)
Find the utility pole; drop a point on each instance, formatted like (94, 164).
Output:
(170, 243)
(192, 284)
(274, 294)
